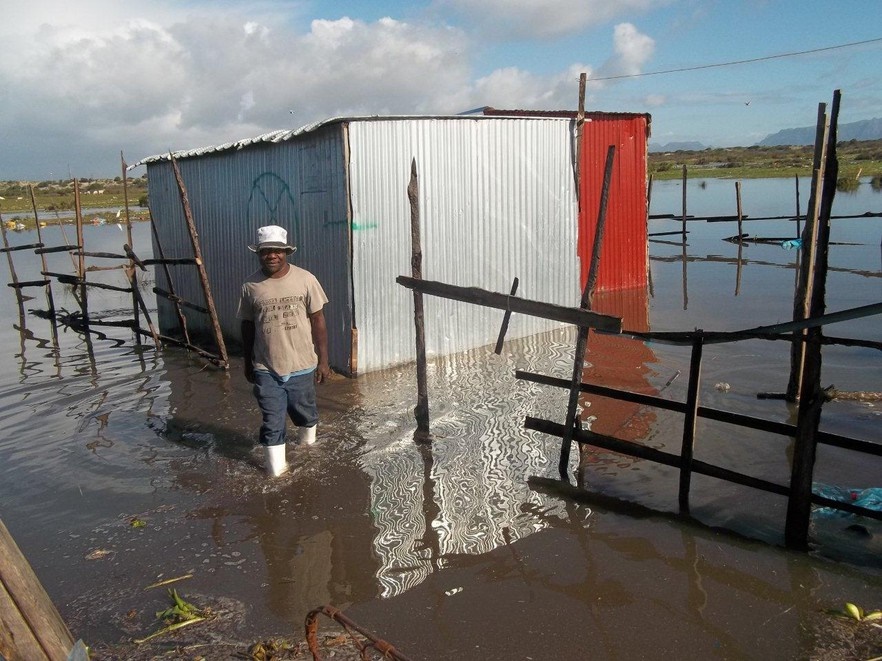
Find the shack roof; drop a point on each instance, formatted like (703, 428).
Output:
(284, 135)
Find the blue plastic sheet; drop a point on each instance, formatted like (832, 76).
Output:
(870, 498)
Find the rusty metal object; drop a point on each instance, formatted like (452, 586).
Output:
(384, 649)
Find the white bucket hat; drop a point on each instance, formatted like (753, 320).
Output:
(272, 236)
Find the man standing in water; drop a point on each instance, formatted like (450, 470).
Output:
(285, 343)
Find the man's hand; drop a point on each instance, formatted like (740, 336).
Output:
(249, 372)
(322, 372)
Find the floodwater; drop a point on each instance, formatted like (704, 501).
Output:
(121, 466)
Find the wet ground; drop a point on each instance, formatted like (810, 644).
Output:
(121, 467)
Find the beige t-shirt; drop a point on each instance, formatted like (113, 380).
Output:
(279, 308)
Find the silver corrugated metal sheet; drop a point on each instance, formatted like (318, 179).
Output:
(299, 185)
(497, 202)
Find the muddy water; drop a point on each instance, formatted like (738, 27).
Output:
(121, 466)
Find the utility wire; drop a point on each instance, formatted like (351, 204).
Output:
(729, 64)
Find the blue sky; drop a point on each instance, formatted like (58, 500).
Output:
(85, 80)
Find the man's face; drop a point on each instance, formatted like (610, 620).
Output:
(272, 260)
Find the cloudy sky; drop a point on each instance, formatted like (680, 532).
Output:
(82, 81)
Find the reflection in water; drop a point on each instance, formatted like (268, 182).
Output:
(623, 363)
(464, 493)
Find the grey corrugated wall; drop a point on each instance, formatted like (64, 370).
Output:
(298, 184)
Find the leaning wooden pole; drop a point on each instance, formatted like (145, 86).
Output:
(812, 395)
(130, 269)
(203, 276)
(585, 304)
(416, 266)
(803, 293)
(30, 626)
(50, 301)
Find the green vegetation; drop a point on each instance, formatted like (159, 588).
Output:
(59, 195)
(856, 158)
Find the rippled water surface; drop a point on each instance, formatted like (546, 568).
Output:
(451, 550)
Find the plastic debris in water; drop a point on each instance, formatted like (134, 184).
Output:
(722, 386)
(790, 244)
(870, 498)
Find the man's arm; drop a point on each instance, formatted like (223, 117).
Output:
(247, 328)
(320, 340)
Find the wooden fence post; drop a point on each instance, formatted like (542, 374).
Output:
(50, 301)
(416, 266)
(690, 418)
(81, 261)
(812, 397)
(803, 293)
(585, 304)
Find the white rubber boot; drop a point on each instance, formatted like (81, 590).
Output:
(306, 435)
(276, 464)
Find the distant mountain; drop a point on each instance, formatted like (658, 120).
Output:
(676, 146)
(868, 129)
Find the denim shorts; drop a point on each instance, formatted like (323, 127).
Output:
(276, 398)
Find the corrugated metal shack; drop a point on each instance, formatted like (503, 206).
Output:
(498, 201)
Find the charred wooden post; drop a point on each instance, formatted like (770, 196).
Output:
(489, 299)
(203, 276)
(416, 266)
(803, 293)
(798, 219)
(505, 319)
(812, 396)
(585, 304)
(690, 419)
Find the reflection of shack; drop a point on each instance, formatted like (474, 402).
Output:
(465, 493)
(618, 362)
(498, 201)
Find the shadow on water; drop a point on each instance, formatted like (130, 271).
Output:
(120, 467)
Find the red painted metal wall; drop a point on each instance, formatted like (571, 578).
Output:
(624, 253)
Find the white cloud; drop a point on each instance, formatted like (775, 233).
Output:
(632, 50)
(512, 88)
(88, 84)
